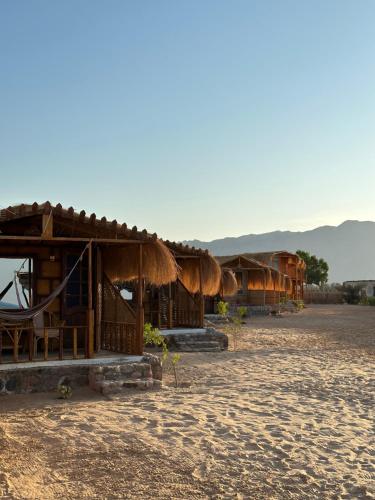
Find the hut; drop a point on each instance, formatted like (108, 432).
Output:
(73, 308)
(290, 265)
(258, 284)
(181, 304)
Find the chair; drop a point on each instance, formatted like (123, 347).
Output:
(39, 329)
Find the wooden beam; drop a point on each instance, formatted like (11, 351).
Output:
(59, 239)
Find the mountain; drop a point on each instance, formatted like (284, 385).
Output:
(348, 248)
(7, 305)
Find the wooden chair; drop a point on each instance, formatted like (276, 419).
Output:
(40, 329)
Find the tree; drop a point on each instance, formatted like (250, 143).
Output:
(316, 269)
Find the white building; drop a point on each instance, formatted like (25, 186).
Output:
(367, 286)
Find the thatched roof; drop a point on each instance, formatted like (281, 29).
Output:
(189, 274)
(229, 282)
(119, 244)
(159, 265)
(67, 222)
(190, 260)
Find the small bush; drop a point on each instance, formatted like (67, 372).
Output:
(153, 337)
(223, 308)
(242, 312)
(371, 301)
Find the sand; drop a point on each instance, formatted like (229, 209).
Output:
(288, 415)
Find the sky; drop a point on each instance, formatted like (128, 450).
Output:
(193, 119)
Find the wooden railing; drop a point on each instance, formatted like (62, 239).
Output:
(188, 308)
(119, 337)
(190, 319)
(20, 338)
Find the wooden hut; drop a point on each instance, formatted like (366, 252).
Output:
(289, 264)
(258, 284)
(73, 260)
(181, 304)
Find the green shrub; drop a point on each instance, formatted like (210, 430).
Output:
(371, 301)
(242, 312)
(223, 308)
(153, 337)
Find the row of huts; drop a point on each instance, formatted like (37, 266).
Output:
(79, 266)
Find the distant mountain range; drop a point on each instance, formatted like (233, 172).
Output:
(348, 248)
(7, 305)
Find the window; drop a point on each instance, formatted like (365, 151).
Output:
(21, 268)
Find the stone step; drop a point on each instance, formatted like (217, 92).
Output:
(118, 378)
(198, 346)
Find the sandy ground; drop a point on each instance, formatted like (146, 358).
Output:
(290, 414)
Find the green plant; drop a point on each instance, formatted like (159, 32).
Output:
(371, 301)
(299, 304)
(175, 359)
(235, 330)
(65, 391)
(316, 269)
(242, 312)
(223, 308)
(152, 336)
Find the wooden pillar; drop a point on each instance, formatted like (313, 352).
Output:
(30, 283)
(98, 300)
(90, 311)
(274, 291)
(201, 302)
(170, 306)
(140, 310)
(264, 286)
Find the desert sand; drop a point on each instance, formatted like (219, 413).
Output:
(290, 414)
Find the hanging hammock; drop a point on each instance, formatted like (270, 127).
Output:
(26, 314)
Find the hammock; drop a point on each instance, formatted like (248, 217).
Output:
(26, 314)
(6, 290)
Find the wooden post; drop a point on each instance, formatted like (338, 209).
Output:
(201, 303)
(99, 300)
(140, 311)
(170, 307)
(61, 343)
(45, 344)
(30, 285)
(75, 343)
(31, 343)
(90, 311)
(15, 345)
(264, 286)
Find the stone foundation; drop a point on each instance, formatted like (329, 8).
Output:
(144, 372)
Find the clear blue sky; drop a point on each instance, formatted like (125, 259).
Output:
(195, 118)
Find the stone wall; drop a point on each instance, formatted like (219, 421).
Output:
(28, 379)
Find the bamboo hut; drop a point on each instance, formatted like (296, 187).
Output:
(228, 288)
(181, 303)
(257, 284)
(73, 261)
(287, 263)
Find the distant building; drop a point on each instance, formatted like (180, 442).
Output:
(367, 286)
